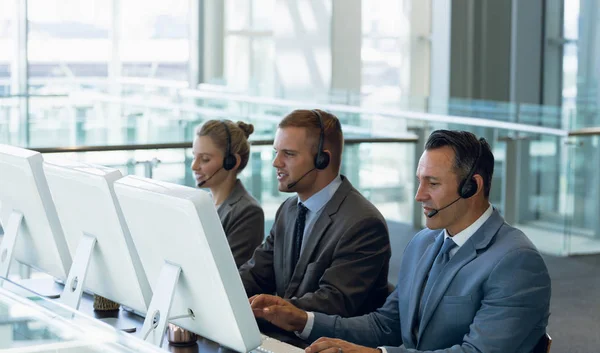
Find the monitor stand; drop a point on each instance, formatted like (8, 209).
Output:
(157, 318)
(73, 289)
(45, 287)
(7, 246)
(118, 324)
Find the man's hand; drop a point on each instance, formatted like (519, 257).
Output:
(333, 345)
(278, 312)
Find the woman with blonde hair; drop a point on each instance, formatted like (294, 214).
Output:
(221, 150)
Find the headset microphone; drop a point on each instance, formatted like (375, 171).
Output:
(207, 179)
(434, 212)
(293, 183)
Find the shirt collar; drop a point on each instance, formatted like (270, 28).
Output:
(461, 237)
(317, 201)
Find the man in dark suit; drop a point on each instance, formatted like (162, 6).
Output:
(468, 283)
(328, 250)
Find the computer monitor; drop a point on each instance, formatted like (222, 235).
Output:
(32, 231)
(105, 261)
(188, 262)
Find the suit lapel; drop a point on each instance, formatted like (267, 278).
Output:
(465, 254)
(478, 241)
(318, 231)
(416, 286)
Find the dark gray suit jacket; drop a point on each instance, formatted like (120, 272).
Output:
(493, 296)
(243, 221)
(343, 266)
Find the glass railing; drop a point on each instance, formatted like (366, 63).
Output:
(544, 180)
(581, 199)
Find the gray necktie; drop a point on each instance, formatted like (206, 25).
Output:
(440, 261)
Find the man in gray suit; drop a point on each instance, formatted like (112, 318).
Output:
(328, 250)
(468, 283)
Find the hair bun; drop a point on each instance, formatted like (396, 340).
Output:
(248, 129)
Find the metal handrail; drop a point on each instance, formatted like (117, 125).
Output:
(438, 118)
(184, 145)
(33, 96)
(338, 108)
(588, 131)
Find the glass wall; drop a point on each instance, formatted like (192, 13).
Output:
(386, 46)
(81, 45)
(54, 50)
(569, 67)
(580, 74)
(67, 40)
(581, 68)
(7, 44)
(153, 38)
(249, 46)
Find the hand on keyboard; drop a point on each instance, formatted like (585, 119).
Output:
(279, 312)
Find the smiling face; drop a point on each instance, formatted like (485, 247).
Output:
(294, 156)
(438, 187)
(208, 159)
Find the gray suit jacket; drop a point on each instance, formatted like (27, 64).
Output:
(492, 296)
(243, 221)
(343, 266)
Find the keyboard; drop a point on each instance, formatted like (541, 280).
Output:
(272, 345)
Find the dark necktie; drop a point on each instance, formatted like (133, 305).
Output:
(298, 234)
(440, 261)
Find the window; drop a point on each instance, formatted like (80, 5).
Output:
(249, 46)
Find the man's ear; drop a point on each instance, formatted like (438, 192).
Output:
(479, 181)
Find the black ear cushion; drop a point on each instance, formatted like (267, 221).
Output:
(321, 160)
(467, 188)
(229, 162)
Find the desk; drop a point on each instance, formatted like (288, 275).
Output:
(124, 318)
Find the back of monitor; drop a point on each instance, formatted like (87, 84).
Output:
(86, 204)
(40, 241)
(179, 226)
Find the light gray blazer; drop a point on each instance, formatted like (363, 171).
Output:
(492, 296)
(244, 223)
(344, 263)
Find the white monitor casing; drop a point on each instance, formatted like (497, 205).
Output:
(179, 226)
(40, 242)
(86, 204)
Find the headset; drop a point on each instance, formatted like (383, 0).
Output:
(468, 186)
(229, 159)
(321, 158)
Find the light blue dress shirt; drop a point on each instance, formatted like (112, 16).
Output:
(315, 204)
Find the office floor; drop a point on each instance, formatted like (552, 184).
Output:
(575, 305)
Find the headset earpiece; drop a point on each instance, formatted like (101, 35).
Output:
(468, 186)
(229, 161)
(321, 158)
